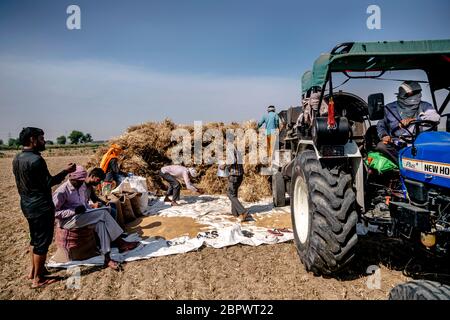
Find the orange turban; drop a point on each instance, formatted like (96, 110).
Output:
(113, 152)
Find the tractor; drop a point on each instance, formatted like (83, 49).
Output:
(335, 194)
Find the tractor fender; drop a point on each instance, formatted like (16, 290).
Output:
(351, 152)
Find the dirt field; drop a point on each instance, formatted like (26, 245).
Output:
(238, 272)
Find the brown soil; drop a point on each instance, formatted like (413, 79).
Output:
(237, 272)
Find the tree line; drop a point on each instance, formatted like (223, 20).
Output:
(75, 137)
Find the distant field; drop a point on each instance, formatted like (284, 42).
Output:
(55, 150)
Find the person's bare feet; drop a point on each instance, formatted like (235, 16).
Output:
(166, 199)
(174, 204)
(30, 275)
(243, 216)
(113, 265)
(43, 281)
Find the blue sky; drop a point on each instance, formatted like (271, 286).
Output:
(216, 60)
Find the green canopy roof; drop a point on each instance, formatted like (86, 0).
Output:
(306, 81)
(432, 56)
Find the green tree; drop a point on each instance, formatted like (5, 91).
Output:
(13, 142)
(75, 136)
(1, 142)
(61, 140)
(49, 142)
(86, 138)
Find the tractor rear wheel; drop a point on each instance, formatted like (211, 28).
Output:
(420, 290)
(323, 215)
(278, 190)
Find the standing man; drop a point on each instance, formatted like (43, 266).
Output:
(272, 122)
(34, 184)
(235, 177)
(174, 173)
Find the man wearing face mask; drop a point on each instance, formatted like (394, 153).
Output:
(408, 107)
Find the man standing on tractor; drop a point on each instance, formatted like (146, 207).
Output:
(272, 122)
(401, 113)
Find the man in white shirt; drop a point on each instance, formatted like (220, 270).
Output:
(172, 174)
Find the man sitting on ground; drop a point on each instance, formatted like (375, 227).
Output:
(73, 211)
(93, 179)
(174, 173)
(110, 165)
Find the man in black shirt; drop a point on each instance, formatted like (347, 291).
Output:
(236, 176)
(34, 184)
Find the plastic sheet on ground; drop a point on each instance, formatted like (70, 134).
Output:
(218, 229)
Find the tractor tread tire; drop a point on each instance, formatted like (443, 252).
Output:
(278, 190)
(332, 234)
(420, 290)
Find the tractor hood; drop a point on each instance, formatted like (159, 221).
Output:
(431, 164)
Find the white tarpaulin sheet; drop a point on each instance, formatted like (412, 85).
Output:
(210, 211)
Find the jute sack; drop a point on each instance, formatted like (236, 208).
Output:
(127, 209)
(120, 219)
(135, 200)
(75, 244)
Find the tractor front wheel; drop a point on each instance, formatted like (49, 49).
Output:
(323, 215)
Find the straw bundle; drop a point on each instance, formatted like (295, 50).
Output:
(148, 147)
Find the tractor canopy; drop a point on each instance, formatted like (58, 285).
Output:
(432, 56)
(306, 81)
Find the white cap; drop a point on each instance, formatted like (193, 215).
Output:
(193, 172)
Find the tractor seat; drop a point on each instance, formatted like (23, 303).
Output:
(371, 138)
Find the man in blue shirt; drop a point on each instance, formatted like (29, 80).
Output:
(407, 108)
(272, 122)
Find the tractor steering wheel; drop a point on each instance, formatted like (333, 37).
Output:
(427, 125)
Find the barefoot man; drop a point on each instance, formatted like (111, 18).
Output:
(34, 184)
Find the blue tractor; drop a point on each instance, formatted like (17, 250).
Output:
(337, 196)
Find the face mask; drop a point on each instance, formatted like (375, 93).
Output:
(409, 107)
(413, 100)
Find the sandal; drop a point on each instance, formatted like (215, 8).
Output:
(45, 282)
(275, 232)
